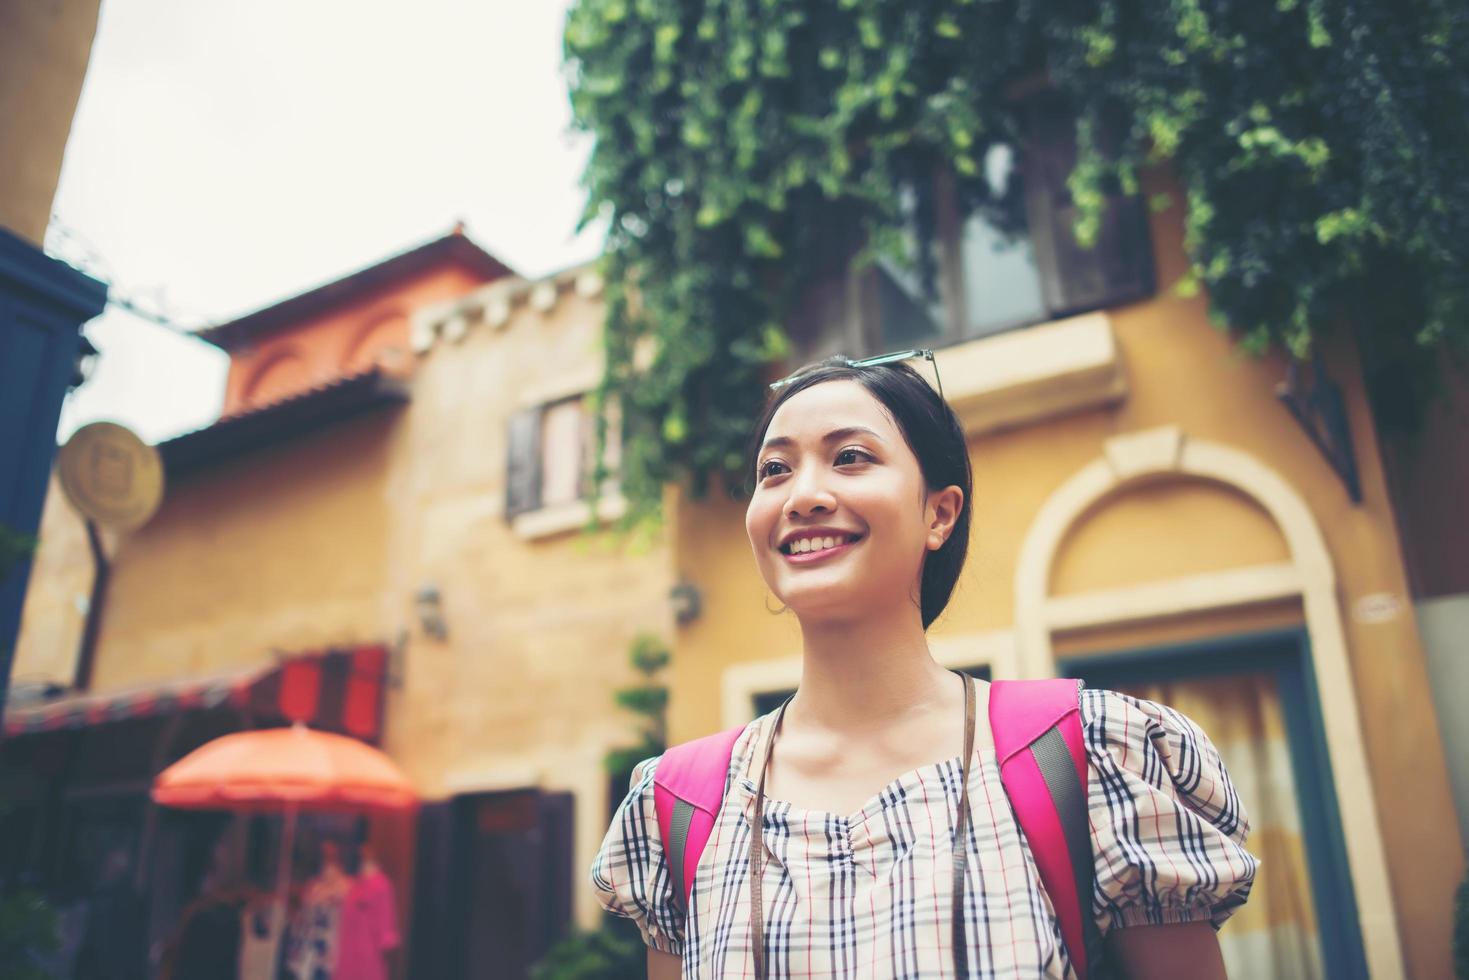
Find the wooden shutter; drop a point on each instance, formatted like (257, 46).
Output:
(1119, 267)
(523, 462)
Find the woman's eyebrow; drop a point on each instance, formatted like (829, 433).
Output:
(782, 442)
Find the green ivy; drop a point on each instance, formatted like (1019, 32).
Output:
(649, 700)
(738, 143)
(613, 952)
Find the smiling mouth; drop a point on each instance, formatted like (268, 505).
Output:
(809, 549)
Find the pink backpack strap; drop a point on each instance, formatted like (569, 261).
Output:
(1038, 742)
(688, 787)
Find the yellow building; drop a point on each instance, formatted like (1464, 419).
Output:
(1149, 515)
(400, 468)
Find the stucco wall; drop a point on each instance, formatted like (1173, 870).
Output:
(539, 629)
(56, 599)
(275, 551)
(1182, 372)
(44, 49)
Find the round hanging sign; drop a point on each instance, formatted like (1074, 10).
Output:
(111, 476)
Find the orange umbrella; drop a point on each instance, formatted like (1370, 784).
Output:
(285, 769)
(279, 768)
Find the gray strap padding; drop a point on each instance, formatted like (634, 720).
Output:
(678, 845)
(1058, 769)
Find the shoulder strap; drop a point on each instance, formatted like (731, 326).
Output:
(1038, 742)
(688, 787)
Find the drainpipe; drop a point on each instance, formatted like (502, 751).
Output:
(102, 570)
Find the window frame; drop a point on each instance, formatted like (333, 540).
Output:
(860, 328)
(532, 515)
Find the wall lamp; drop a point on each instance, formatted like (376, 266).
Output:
(687, 602)
(430, 608)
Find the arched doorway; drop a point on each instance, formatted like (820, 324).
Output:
(1307, 574)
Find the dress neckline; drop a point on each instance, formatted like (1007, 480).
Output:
(871, 807)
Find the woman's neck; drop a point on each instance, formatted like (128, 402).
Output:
(864, 673)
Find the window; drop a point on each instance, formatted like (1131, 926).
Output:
(550, 457)
(975, 268)
(977, 276)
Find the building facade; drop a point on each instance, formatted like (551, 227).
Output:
(391, 499)
(1150, 514)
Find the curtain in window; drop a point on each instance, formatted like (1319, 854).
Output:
(1275, 933)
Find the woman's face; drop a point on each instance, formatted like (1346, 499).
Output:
(834, 470)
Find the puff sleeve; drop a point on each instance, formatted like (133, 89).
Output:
(1168, 830)
(630, 872)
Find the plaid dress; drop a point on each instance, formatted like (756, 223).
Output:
(869, 894)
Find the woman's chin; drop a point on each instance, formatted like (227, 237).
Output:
(813, 602)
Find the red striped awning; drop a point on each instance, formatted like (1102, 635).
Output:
(81, 710)
(340, 689)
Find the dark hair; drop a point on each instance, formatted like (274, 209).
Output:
(932, 431)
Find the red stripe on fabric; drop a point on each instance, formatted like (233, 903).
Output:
(300, 694)
(989, 802)
(361, 707)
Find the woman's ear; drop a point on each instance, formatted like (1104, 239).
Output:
(944, 508)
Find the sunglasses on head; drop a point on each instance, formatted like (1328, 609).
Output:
(893, 358)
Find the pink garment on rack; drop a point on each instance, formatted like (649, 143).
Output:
(368, 929)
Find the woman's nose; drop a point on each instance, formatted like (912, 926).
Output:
(809, 493)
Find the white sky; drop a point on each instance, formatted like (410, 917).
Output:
(233, 154)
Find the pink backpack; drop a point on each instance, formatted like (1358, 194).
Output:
(1037, 733)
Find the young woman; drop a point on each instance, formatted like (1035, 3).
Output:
(859, 523)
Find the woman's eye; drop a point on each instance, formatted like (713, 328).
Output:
(765, 469)
(852, 453)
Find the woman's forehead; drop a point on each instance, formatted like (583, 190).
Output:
(812, 412)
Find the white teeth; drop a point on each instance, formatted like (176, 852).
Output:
(807, 545)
